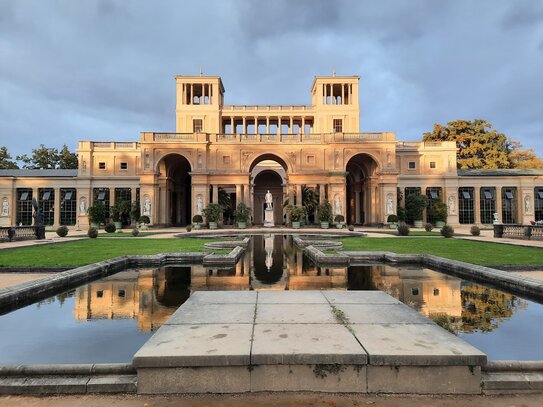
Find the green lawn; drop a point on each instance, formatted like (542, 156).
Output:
(464, 250)
(81, 252)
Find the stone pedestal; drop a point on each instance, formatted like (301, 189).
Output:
(268, 218)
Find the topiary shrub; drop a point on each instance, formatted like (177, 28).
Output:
(62, 231)
(351, 228)
(475, 231)
(92, 233)
(110, 228)
(403, 229)
(135, 232)
(392, 218)
(145, 219)
(447, 231)
(428, 227)
(189, 228)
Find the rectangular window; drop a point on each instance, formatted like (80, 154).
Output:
(509, 205)
(101, 195)
(338, 125)
(415, 291)
(538, 195)
(99, 294)
(411, 191)
(466, 213)
(412, 165)
(226, 159)
(24, 206)
(433, 194)
(124, 166)
(432, 164)
(124, 194)
(68, 206)
(197, 126)
(488, 205)
(310, 159)
(47, 205)
(102, 165)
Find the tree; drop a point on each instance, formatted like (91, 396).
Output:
(5, 160)
(49, 158)
(482, 147)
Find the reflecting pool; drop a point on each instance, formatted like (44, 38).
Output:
(107, 320)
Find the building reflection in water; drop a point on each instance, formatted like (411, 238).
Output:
(272, 262)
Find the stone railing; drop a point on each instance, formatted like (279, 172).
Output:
(112, 145)
(174, 136)
(265, 108)
(524, 232)
(18, 233)
(353, 137)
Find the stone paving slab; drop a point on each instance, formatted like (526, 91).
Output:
(298, 344)
(382, 314)
(197, 345)
(294, 314)
(353, 297)
(416, 344)
(291, 297)
(192, 313)
(224, 297)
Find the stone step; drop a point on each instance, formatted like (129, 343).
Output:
(62, 384)
(512, 382)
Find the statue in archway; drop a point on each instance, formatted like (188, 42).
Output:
(337, 205)
(5, 207)
(199, 205)
(147, 206)
(269, 200)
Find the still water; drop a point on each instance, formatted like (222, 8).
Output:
(108, 320)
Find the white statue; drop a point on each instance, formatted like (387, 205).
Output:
(147, 206)
(5, 207)
(268, 246)
(199, 205)
(452, 205)
(527, 205)
(82, 206)
(496, 220)
(269, 200)
(337, 205)
(390, 205)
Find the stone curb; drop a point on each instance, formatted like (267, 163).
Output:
(229, 259)
(513, 366)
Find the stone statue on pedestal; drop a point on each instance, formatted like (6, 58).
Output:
(268, 212)
(269, 200)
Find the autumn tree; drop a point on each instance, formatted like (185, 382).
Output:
(49, 158)
(5, 160)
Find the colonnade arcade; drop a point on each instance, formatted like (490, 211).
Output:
(180, 193)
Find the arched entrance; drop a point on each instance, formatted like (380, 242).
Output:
(362, 190)
(174, 182)
(268, 173)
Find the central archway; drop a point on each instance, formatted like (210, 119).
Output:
(362, 193)
(268, 173)
(174, 181)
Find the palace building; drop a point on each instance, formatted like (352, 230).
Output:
(242, 151)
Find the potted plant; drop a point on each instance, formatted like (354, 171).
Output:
(325, 214)
(295, 213)
(339, 221)
(392, 221)
(116, 216)
(144, 220)
(402, 215)
(97, 214)
(439, 210)
(213, 213)
(242, 214)
(197, 219)
(135, 213)
(414, 206)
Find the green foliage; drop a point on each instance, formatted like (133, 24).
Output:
(62, 231)
(115, 213)
(97, 213)
(197, 219)
(145, 219)
(447, 231)
(325, 211)
(339, 218)
(110, 228)
(402, 214)
(135, 212)
(295, 212)
(414, 206)
(403, 229)
(392, 219)
(475, 231)
(213, 212)
(242, 213)
(135, 232)
(482, 147)
(121, 210)
(5, 160)
(310, 198)
(428, 227)
(49, 158)
(92, 233)
(439, 211)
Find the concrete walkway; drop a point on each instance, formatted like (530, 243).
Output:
(326, 341)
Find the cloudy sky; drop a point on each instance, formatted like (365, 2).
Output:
(103, 70)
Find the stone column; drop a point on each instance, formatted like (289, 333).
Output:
(256, 125)
(499, 203)
(239, 197)
(279, 127)
(291, 131)
(299, 200)
(247, 195)
(342, 94)
(244, 129)
(215, 193)
(476, 205)
(232, 125)
(357, 207)
(267, 125)
(303, 125)
(322, 193)
(56, 209)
